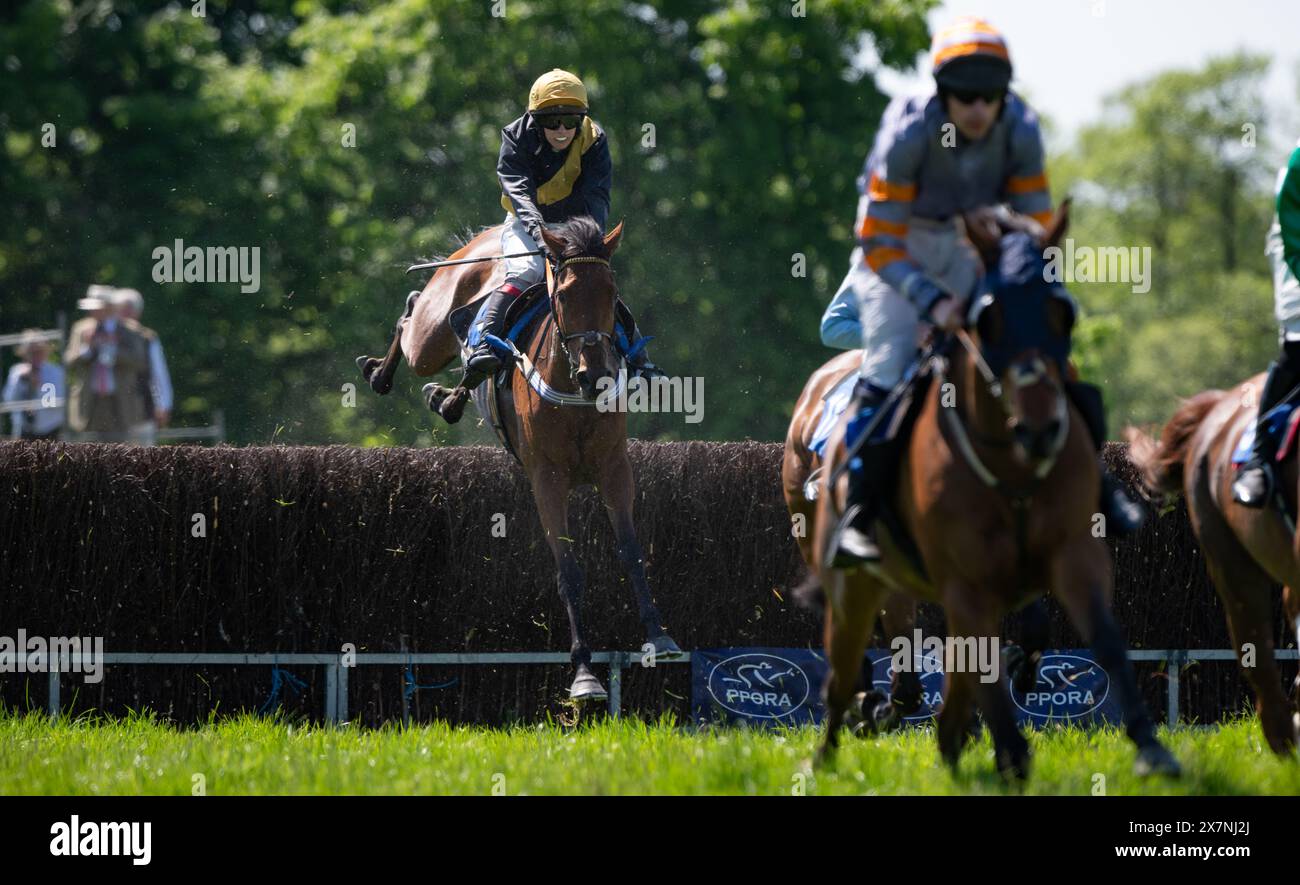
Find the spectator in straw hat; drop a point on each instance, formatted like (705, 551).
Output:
(105, 359)
(155, 383)
(35, 378)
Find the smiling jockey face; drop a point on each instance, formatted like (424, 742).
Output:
(558, 94)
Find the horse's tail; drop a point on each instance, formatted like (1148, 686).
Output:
(1160, 463)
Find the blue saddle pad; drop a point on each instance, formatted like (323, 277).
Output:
(835, 401)
(1275, 425)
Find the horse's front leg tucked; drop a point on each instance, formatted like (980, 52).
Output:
(616, 489)
(1080, 579)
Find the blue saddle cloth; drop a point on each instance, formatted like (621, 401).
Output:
(835, 401)
(524, 319)
(1276, 422)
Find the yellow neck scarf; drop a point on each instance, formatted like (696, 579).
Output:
(561, 183)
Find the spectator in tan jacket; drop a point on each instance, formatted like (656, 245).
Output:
(155, 384)
(105, 358)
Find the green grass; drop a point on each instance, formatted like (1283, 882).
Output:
(248, 755)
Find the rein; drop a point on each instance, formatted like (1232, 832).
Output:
(589, 336)
(530, 371)
(962, 435)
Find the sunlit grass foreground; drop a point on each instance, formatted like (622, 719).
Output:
(250, 755)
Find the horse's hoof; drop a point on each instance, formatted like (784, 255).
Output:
(1156, 760)
(433, 394)
(1014, 765)
(665, 649)
(1021, 668)
(587, 688)
(369, 367)
(442, 402)
(951, 759)
(870, 713)
(453, 407)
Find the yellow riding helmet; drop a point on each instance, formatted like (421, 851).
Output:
(971, 55)
(558, 91)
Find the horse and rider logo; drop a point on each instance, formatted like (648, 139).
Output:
(759, 686)
(1068, 687)
(772, 686)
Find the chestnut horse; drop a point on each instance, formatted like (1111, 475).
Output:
(997, 487)
(872, 709)
(1247, 550)
(560, 447)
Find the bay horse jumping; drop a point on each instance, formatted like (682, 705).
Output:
(799, 465)
(560, 447)
(997, 488)
(1247, 551)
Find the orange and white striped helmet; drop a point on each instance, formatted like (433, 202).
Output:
(971, 55)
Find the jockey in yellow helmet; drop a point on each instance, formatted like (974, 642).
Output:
(554, 165)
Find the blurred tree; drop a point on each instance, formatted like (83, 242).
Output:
(345, 138)
(1179, 164)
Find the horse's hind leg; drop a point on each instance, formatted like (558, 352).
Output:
(1246, 590)
(1291, 607)
(616, 489)
(852, 604)
(1080, 578)
(379, 373)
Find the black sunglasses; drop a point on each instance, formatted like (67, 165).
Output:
(991, 97)
(555, 121)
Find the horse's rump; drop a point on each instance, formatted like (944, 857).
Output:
(428, 340)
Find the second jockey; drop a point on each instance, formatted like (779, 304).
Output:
(970, 144)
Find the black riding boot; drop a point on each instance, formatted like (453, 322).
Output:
(1255, 482)
(639, 362)
(1123, 515)
(854, 542)
(484, 361)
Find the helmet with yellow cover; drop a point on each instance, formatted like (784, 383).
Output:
(557, 92)
(971, 56)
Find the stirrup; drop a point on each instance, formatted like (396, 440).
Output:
(853, 543)
(484, 360)
(1254, 484)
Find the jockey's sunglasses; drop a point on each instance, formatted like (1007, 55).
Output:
(990, 97)
(555, 121)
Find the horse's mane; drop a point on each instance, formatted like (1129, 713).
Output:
(581, 236)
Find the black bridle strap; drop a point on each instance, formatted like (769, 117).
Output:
(589, 336)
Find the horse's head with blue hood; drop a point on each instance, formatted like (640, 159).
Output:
(1021, 318)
